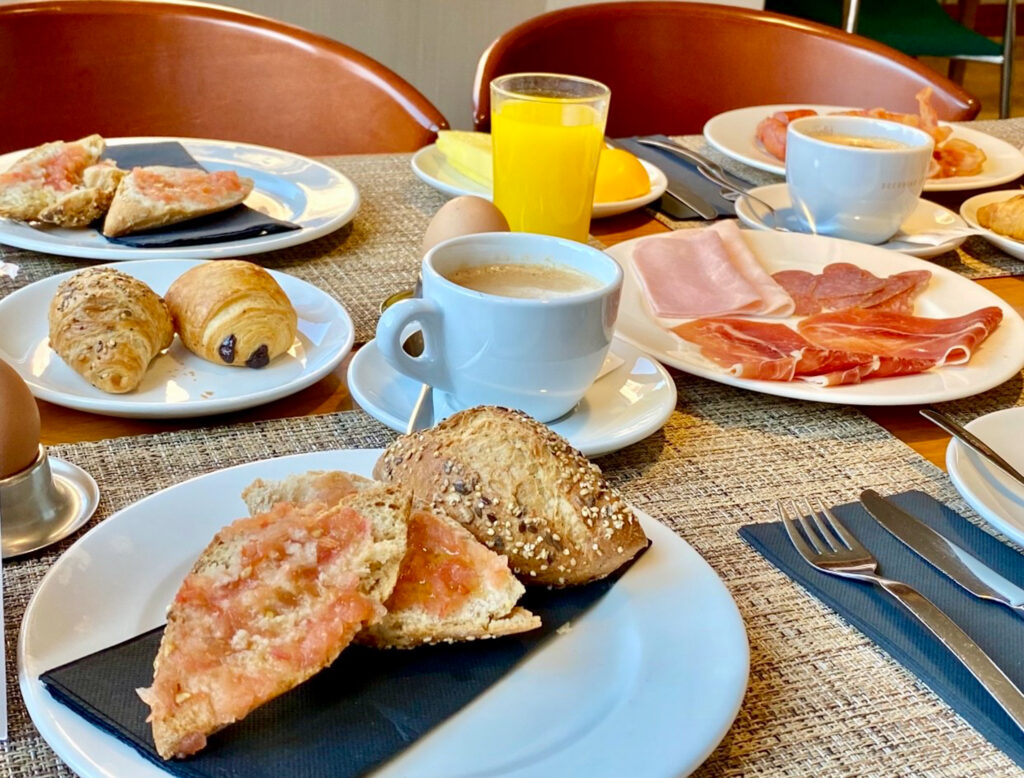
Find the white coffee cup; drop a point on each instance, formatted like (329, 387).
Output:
(536, 355)
(855, 192)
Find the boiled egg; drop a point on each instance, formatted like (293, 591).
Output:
(19, 423)
(466, 215)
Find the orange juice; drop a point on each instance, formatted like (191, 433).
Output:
(546, 150)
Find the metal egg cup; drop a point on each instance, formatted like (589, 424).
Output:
(43, 503)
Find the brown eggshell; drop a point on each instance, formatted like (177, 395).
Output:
(19, 423)
(466, 215)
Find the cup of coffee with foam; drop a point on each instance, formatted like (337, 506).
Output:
(512, 319)
(855, 177)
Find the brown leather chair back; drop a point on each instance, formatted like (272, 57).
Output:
(74, 67)
(671, 66)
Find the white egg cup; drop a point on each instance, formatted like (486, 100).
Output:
(44, 503)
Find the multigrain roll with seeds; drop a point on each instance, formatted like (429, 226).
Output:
(521, 490)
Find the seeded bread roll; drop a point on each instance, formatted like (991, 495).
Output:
(521, 490)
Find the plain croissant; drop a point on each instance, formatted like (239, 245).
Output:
(232, 312)
(108, 326)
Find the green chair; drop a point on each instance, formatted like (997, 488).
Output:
(915, 27)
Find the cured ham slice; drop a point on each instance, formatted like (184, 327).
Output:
(842, 285)
(767, 350)
(845, 347)
(709, 272)
(941, 341)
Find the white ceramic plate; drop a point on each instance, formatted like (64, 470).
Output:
(997, 497)
(733, 134)
(647, 682)
(430, 165)
(969, 210)
(998, 359)
(927, 217)
(623, 406)
(178, 383)
(287, 186)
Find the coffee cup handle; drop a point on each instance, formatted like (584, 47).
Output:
(429, 367)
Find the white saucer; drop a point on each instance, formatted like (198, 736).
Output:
(997, 497)
(927, 217)
(626, 405)
(969, 210)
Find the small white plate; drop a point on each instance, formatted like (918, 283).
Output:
(178, 383)
(626, 405)
(430, 165)
(734, 134)
(997, 360)
(997, 497)
(287, 186)
(969, 210)
(646, 682)
(927, 217)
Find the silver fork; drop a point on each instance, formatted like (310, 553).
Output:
(826, 544)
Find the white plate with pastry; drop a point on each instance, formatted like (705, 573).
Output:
(431, 167)
(1012, 219)
(628, 402)
(287, 186)
(666, 633)
(178, 383)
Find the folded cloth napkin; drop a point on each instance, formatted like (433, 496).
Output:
(994, 627)
(364, 709)
(236, 223)
(681, 175)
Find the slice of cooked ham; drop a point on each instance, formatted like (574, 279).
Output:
(708, 272)
(942, 341)
(843, 285)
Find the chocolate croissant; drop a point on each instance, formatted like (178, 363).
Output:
(232, 313)
(108, 326)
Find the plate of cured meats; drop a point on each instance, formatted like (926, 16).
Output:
(965, 158)
(814, 318)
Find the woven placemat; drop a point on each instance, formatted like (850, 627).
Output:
(975, 258)
(361, 264)
(823, 700)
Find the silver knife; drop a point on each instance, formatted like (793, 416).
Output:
(947, 557)
(970, 440)
(683, 195)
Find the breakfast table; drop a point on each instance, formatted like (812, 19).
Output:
(822, 698)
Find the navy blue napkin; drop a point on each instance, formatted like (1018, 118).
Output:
(992, 626)
(236, 223)
(346, 720)
(681, 175)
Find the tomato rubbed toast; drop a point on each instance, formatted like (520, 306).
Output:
(158, 196)
(450, 586)
(62, 183)
(272, 600)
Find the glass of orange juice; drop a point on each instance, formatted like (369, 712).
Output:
(547, 130)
